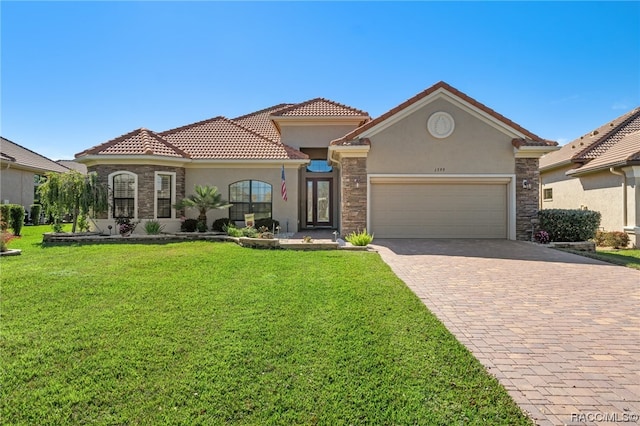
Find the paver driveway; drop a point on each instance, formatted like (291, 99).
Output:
(561, 332)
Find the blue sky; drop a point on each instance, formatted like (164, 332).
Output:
(76, 74)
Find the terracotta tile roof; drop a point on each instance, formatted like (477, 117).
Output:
(221, 138)
(261, 123)
(594, 143)
(18, 155)
(625, 151)
(532, 139)
(138, 142)
(320, 107)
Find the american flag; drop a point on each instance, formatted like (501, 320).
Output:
(283, 187)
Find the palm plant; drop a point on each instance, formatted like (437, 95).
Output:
(205, 198)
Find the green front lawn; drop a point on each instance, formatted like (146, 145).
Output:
(212, 333)
(623, 257)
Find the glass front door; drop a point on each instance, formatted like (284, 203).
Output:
(319, 201)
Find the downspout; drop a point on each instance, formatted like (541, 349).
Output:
(624, 194)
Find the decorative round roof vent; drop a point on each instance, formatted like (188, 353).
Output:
(440, 124)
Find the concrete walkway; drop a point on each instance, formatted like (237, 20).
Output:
(561, 332)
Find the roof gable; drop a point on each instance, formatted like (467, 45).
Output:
(438, 90)
(320, 107)
(138, 142)
(595, 143)
(223, 139)
(16, 154)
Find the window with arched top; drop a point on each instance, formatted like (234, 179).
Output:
(250, 196)
(123, 188)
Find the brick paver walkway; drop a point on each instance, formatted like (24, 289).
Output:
(560, 332)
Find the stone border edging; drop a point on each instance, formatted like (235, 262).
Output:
(264, 243)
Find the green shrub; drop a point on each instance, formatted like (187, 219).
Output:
(189, 225)
(201, 226)
(153, 227)
(5, 216)
(359, 238)
(83, 224)
(569, 225)
(232, 231)
(34, 213)
(16, 219)
(267, 222)
(12, 216)
(615, 239)
(248, 231)
(219, 224)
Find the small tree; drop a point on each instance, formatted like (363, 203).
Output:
(34, 213)
(205, 198)
(75, 193)
(16, 219)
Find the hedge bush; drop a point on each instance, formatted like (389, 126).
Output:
(189, 225)
(34, 213)
(615, 239)
(569, 225)
(220, 224)
(5, 214)
(267, 222)
(13, 216)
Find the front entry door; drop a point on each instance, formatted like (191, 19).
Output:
(319, 202)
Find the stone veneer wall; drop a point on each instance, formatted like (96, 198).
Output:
(353, 216)
(527, 200)
(146, 184)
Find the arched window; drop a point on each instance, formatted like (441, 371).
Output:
(123, 185)
(250, 196)
(319, 166)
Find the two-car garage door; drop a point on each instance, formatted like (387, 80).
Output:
(406, 208)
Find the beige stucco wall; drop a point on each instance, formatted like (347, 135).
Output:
(598, 191)
(473, 147)
(283, 211)
(312, 136)
(16, 187)
(633, 199)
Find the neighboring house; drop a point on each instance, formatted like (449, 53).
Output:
(20, 172)
(440, 165)
(72, 165)
(599, 171)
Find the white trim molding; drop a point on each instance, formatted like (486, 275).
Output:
(155, 193)
(443, 93)
(135, 196)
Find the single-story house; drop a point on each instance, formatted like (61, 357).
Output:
(439, 165)
(20, 172)
(599, 171)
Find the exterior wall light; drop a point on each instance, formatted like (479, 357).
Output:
(526, 184)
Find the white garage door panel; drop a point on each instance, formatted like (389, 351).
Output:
(438, 210)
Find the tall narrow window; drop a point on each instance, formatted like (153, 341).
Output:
(124, 193)
(250, 196)
(163, 195)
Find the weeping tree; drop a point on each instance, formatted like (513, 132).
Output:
(205, 198)
(72, 193)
